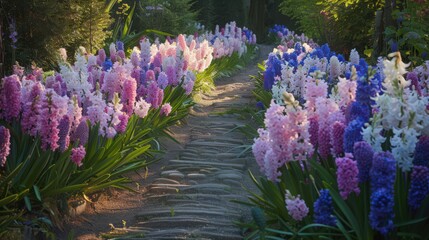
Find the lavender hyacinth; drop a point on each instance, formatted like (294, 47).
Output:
(324, 210)
(363, 153)
(347, 176)
(82, 132)
(64, 129)
(419, 188)
(4, 145)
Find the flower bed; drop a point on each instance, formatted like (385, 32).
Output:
(342, 150)
(79, 130)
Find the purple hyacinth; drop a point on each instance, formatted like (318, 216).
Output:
(363, 154)
(419, 188)
(77, 155)
(11, 94)
(82, 133)
(122, 126)
(31, 110)
(64, 129)
(383, 171)
(381, 210)
(4, 145)
(421, 154)
(314, 130)
(347, 176)
(337, 137)
(154, 95)
(324, 210)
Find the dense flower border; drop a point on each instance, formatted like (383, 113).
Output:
(370, 119)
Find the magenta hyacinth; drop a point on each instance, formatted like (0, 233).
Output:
(347, 176)
(77, 155)
(11, 94)
(165, 109)
(314, 130)
(129, 95)
(337, 136)
(4, 145)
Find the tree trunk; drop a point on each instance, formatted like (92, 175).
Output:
(257, 18)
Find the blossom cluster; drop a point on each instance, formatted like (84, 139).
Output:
(370, 119)
(108, 88)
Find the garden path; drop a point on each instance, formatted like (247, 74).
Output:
(188, 195)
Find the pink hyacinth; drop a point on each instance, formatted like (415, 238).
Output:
(295, 206)
(101, 57)
(77, 155)
(337, 137)
(11, 94)
(182, 42)
(49, 121)
(141, 108)
(4, 145)
(260, 148)
(347, 175)
(112, 49)
(165, 109)
(129, 95)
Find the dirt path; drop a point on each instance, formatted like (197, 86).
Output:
(188, 193)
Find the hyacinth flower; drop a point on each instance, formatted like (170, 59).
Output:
(419, 188)
(363, 154)
(296, 206)
(324, 209)
(381, 213)
(10, 99)
(401, 112)
(4, 145)
(347, 176)
(77, 155)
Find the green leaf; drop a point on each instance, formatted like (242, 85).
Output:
(37, 192)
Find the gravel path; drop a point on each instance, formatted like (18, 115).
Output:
(189, 197)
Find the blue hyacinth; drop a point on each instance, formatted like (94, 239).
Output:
(381, 211)
(324, 210)
(273, 69)
(107, 64)
(353, 134)
(120, 45)
(419, 188)
(421, 154)
(383, 171)
(363, 155)
(358, 110)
